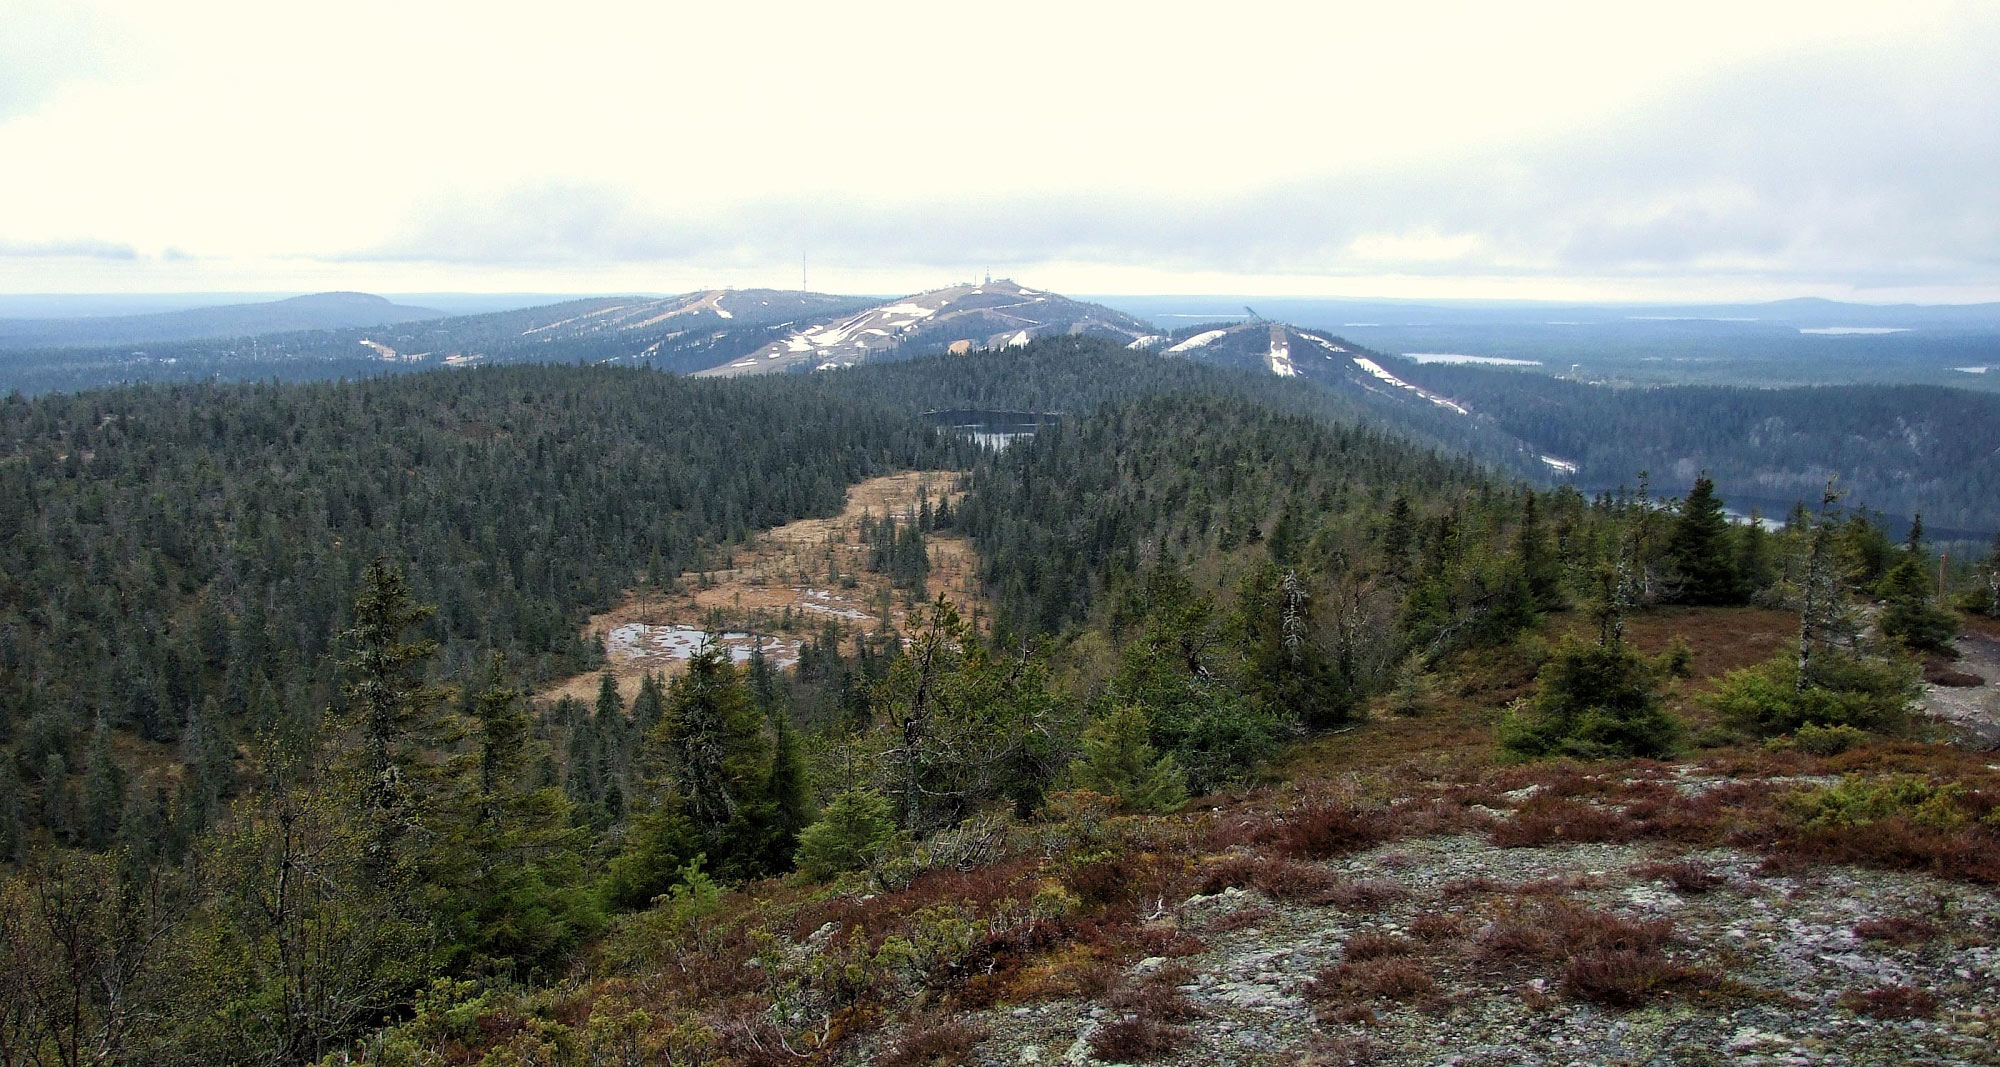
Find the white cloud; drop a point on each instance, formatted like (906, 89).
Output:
(497, 145)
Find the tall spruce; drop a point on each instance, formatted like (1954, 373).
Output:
(1698, 549)
(394, 710)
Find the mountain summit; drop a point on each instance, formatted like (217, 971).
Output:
(993, 314)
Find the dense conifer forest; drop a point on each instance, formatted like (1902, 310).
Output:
(1901, 449)
(274, 781)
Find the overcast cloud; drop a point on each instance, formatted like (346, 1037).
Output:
(1565, 151)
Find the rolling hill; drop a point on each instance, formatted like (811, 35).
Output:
(317, 311)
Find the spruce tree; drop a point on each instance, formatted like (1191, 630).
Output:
(1118, 761)
(788, 792)
(103, 792)
(394, 711)
(850, 835)
(13, 814)
(714, 756)
(649, 706)
(1698, 548)
(1908, 615)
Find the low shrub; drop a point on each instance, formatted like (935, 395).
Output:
(1366, 894)
(1388, 978)
(1157, 1001)
(1686, 876)
(1548, 822)
(1858, 802)
(1136, 1040)
(1902, 823)
(1816, 740)
(1609, 959)
(1896, 930)
(1619, 977)
(945, 1043)
(1891, 1002)
(1434, 926)
(1324, 831)
(1370, 945)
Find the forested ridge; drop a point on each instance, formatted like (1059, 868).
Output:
(1902, 449)
(274, 790)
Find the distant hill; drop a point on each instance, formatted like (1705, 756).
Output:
(993, 314)
(317, 311)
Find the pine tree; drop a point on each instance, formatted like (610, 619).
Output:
(1118, 761)
(1698, 549)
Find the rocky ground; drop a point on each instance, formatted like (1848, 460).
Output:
(1971, 710)
(1776, 970)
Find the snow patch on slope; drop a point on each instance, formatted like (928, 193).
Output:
(1281, 357)
(1197, 341)
(1375, 369)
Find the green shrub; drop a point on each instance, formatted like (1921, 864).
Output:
(1862, 692)
(1119, 761)
(1593, 702)
(1416, 690)
(851, 834)
(1858, 802)
(1817, 740)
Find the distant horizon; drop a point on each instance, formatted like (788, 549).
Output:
(195, 298)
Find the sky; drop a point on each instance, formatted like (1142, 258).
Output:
(1559, 151)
